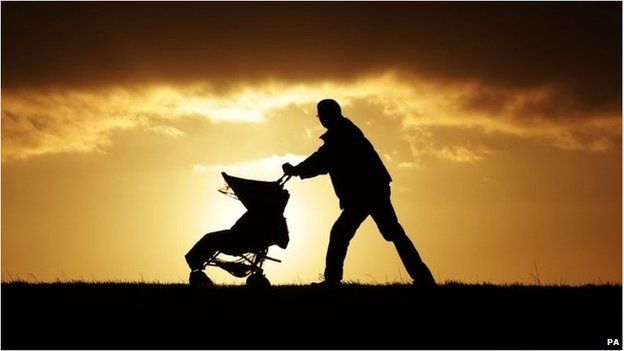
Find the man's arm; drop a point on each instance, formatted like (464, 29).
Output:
(312, 166)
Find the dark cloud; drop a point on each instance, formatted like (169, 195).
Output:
(574, 47)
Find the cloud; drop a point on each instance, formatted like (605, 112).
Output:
(36, 124)
(408, 165)
(574, 47)
(462, 154)
(43, 122)
(201, 168)
(270, 162)
(525, 113)
(40, 122)
(470, 67)
(423, 144)
(243, 102)
(166, 131)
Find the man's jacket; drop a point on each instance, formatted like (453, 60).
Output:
(356, 171)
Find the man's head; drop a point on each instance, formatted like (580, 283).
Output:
(329, 113)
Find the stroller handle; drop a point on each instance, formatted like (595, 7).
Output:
(283, 179)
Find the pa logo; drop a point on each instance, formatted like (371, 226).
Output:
(613, 342)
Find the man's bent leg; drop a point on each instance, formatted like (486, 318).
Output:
(386, 219)
(341, 234)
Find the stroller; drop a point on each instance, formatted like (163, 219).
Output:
(249, 239)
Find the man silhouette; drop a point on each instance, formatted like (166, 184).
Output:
(362, 184)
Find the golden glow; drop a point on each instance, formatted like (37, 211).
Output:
(119, 183)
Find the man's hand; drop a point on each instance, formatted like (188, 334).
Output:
(289, 169)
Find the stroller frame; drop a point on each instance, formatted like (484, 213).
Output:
(247, 264)
(249, 261)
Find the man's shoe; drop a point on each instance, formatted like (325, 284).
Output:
(425, 281)
(425, 285)
(326, 284)
(424, 278)
(200, 279)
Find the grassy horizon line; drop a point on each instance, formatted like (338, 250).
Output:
(447, 283)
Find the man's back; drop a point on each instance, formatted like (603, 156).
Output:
(356, 170)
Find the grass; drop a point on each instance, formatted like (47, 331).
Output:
(174, 316)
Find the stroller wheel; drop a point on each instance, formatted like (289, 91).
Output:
(200, 279)
(258, 280)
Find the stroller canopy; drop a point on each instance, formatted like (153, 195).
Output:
(258, 195)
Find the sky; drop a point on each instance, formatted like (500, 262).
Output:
(500, 123)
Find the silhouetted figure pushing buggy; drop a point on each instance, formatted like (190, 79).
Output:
(262, 226)
(362, 184)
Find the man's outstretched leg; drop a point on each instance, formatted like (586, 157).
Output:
(341, 234)
(384, 215)
(416, 268)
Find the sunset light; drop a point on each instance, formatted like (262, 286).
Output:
(503, 157)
